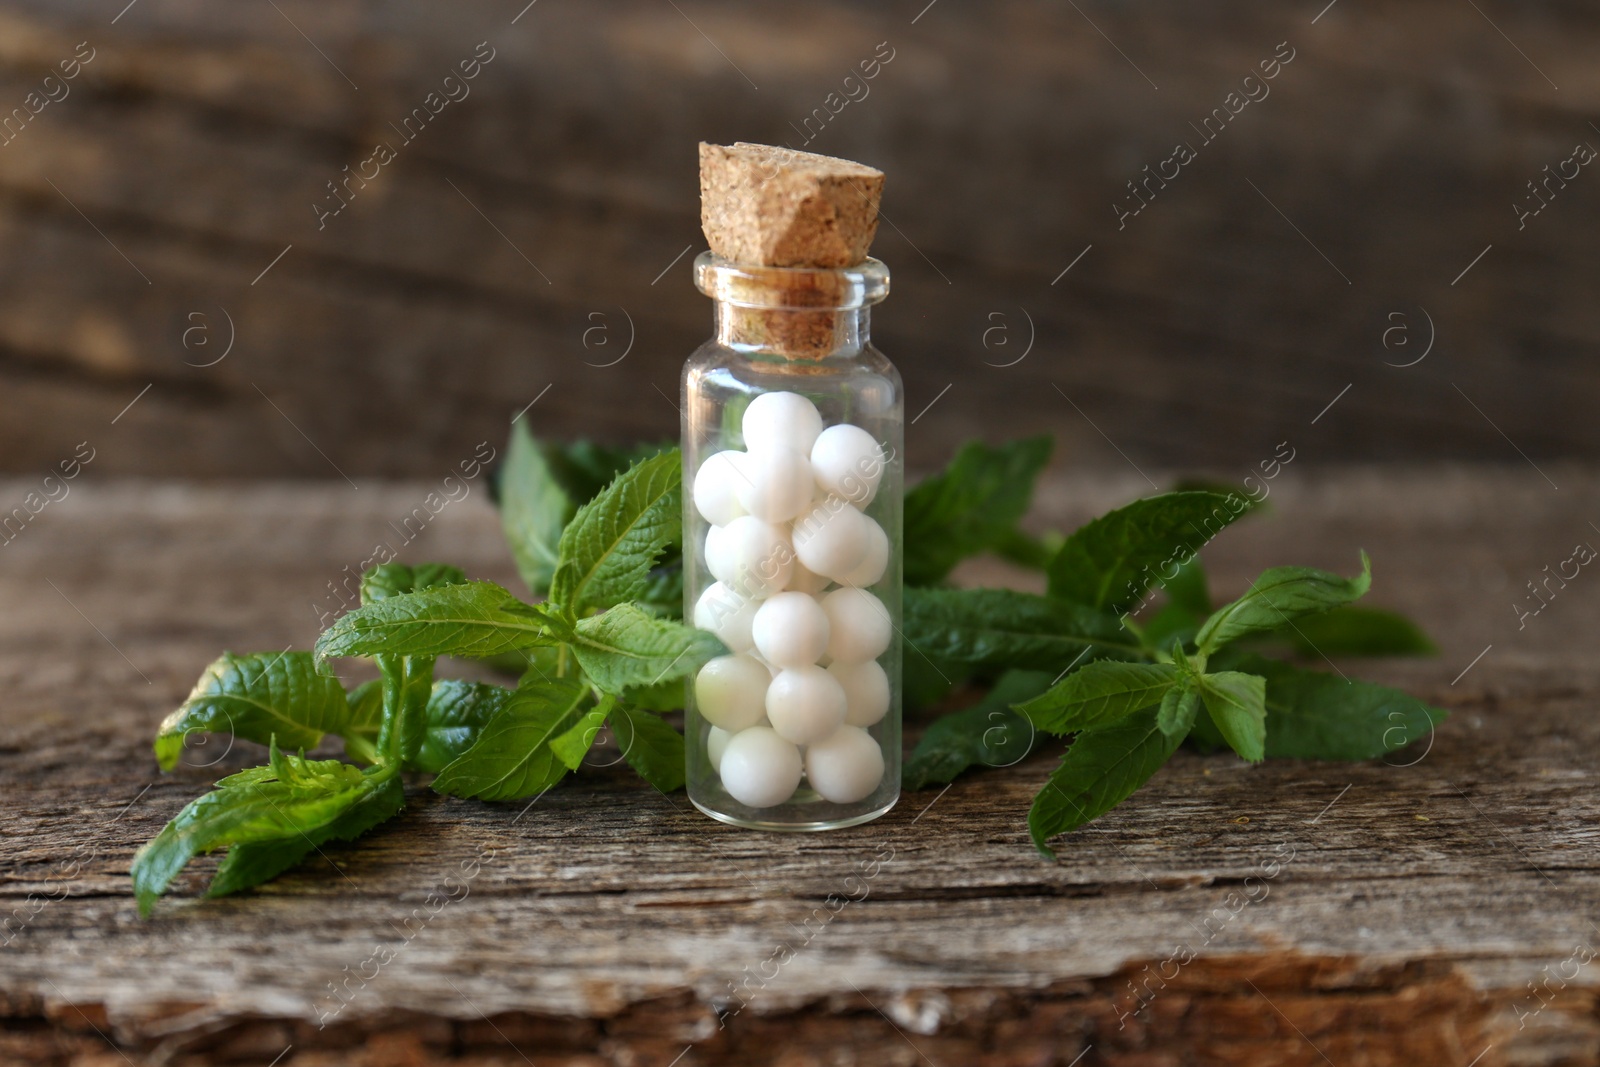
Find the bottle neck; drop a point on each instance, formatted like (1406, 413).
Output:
(803, 314)
(793, 333)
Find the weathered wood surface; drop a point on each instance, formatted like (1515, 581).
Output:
(1412, 907)
(199, 137)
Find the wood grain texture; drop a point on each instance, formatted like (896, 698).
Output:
(467, 277)
(607, 924)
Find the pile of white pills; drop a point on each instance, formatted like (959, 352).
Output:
(793, 553)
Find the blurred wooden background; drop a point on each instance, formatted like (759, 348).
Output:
(554, 208)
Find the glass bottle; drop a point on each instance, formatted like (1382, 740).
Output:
(793, 430)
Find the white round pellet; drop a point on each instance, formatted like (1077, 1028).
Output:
(726, 614)
(776, 484)
(859, 627)
(790, 629)
(716, 743)
(848, 462)
(802, 580)
(730, 692)
(759, 768)
(846, 766)
(752, 557)
(870, 571)
(866, 691)
(781, 419)
(716, 487)
(717, 559)
(832, 538)
(805, 704)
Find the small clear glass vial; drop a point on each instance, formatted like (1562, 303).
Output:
(793, 432)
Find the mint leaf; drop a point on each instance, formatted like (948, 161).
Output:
(1025, 550)
(256, 697)
(407, 685)
(255, 862)
(534, 509)
(1188, 590)
(663, 588)
(1101, 770)
(1237, 704)
(1005, 628)
(608, 548)
(923, 682)
(1098, 694)
(1177, 713)
(970, 507)
(626, 648)
(1313, 715)
(472, 619)
(407, 680)
(291, 797)
(365, 722)
(663, 696)
(1111, 562)
(571, 746)
(1357, 631)
(651, 747)
(584, 468)
(396, 579)
(1277, 598)
(987, 734)
(511, 757)
(457, 713)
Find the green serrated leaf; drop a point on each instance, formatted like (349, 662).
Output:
(925, 683)
(366, 721)
(971, 507)
(1111, 562)
(1025, 550)
(511, 757)
(663, 588)
(457, 713)
(663, 696)
(1237, 704)
(1177, 713)
(1279, 597)
(1314, 715)
(651, 747)
(608, 548)
(987, 734)
(1005, 628)
(625, 648)
(294, 797)
(255, 862)
(534, 509)
(1102, 769)
(541, 485)
(407, 686)
(570, 747)
(1098, 694)
(584, 468)
(472, 619)
(1188, 589)
(256, 697)
(396, 579)
(1356, 631)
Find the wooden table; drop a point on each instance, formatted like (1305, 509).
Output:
(1412, 905)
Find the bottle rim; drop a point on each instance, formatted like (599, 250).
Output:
(793, 288)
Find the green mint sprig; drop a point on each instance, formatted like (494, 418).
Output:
(600, 650)
(1129, 694)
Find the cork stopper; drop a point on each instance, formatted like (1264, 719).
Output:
(789, 233)
(774, 207)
